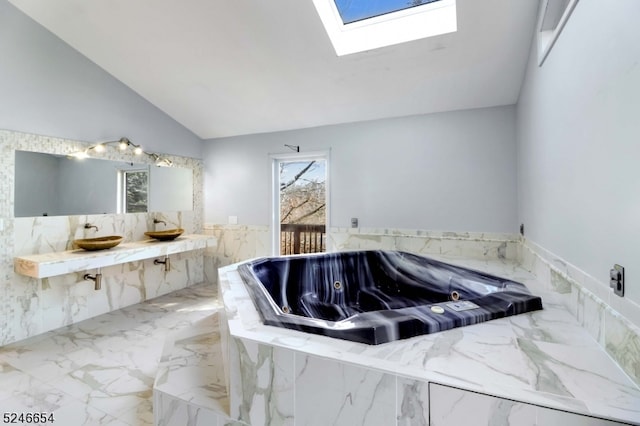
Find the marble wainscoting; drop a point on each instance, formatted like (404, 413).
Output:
(536, 368)
(612, 321)
(467, 245)
(236, 243)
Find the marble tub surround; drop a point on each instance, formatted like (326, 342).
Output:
(543, 358)
(614, 322)
(29, 306)
(101, 371)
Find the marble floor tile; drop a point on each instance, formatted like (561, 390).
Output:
(100, 371)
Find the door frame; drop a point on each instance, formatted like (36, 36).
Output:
(276, 159)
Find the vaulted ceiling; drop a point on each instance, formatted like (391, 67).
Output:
(225, 68)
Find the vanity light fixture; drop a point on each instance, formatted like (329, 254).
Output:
(123, 144)
(160, 161)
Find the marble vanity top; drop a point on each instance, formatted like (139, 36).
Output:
(59, 263)
(544, 357)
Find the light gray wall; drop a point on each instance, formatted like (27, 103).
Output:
(451, 171)
(579, 143)
(48, 88)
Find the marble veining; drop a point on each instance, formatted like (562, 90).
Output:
(378, 296)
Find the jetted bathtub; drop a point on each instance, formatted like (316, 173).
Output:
(378, 296)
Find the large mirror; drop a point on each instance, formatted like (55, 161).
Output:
(55, 185)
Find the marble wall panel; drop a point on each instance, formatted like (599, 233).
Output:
(412, 402)
(448, 244)
(171, 411)
(235, 244)
(451, 406)
(622, 342)
(28, 306)
(261, 383)
(334, 393)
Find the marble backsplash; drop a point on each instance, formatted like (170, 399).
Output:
(614, 322)
(237, 243)
(28, 306)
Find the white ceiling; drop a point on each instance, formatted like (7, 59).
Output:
(224, 68)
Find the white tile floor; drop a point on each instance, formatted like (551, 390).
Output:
(99, 371)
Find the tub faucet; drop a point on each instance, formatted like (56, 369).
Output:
(89, 226)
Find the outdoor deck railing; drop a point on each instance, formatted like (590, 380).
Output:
(297, 238)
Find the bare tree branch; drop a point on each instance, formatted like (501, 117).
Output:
(309, 214)
(284, 186)
(294, 208)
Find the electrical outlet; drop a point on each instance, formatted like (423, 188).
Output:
(616, 280)
(233, 220)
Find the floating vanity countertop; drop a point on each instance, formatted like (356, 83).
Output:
(60, 263)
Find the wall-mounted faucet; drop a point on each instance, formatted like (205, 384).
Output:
(89, 226)
(157, 221)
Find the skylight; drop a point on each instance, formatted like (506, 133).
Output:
(355, 10)
(359, 25)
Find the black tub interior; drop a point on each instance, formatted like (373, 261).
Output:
(378, 296)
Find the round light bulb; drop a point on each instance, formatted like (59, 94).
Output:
(122, 145)
(99, 148)
(137, 150)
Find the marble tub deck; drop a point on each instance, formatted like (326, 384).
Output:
(543, 358)
(101, 371)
